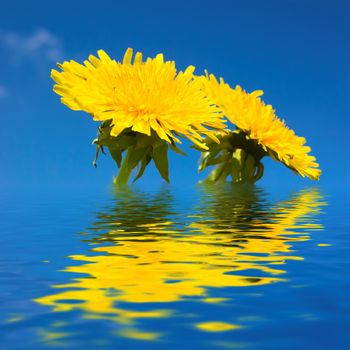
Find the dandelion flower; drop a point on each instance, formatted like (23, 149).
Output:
(143, 96)
(259, 132)
(144, 107)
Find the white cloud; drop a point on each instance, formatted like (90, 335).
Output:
(40, 45)
(3, 91)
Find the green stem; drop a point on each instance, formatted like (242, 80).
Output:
(125, 170)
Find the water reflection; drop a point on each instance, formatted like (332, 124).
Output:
(143, 253)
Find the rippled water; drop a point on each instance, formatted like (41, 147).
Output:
(206, 268)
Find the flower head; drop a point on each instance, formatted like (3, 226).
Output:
(139, 95)
(259, 123)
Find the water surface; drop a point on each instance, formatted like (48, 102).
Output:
(205, 268)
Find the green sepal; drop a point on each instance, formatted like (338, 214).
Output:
(225, 172)
(260, 171)
(160, 158)
(248, 168)
(236, 170)
(116, 153)
(126, 141)
(139, 150)
(98, 149)
(136, 155)
(208, 157)
(224, 157)
(176, 149)
(133, 156)
(103, 137)
(219, 173)
(144, 162)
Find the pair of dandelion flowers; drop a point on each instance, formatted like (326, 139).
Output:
(145, 107)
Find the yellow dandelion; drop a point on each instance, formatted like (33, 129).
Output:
(267, 134)
(141, 96)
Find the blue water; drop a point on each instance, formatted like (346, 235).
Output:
(174, 268)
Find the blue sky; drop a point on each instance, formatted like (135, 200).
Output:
(296, 51)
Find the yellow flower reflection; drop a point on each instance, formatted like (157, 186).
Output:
(143, 253)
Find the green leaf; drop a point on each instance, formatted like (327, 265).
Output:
(160, 158)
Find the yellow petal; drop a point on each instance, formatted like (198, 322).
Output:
(138, 58)
(103, 56)
(127, 56)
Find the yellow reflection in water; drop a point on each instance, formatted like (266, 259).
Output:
(144, 252)
(216, 326)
